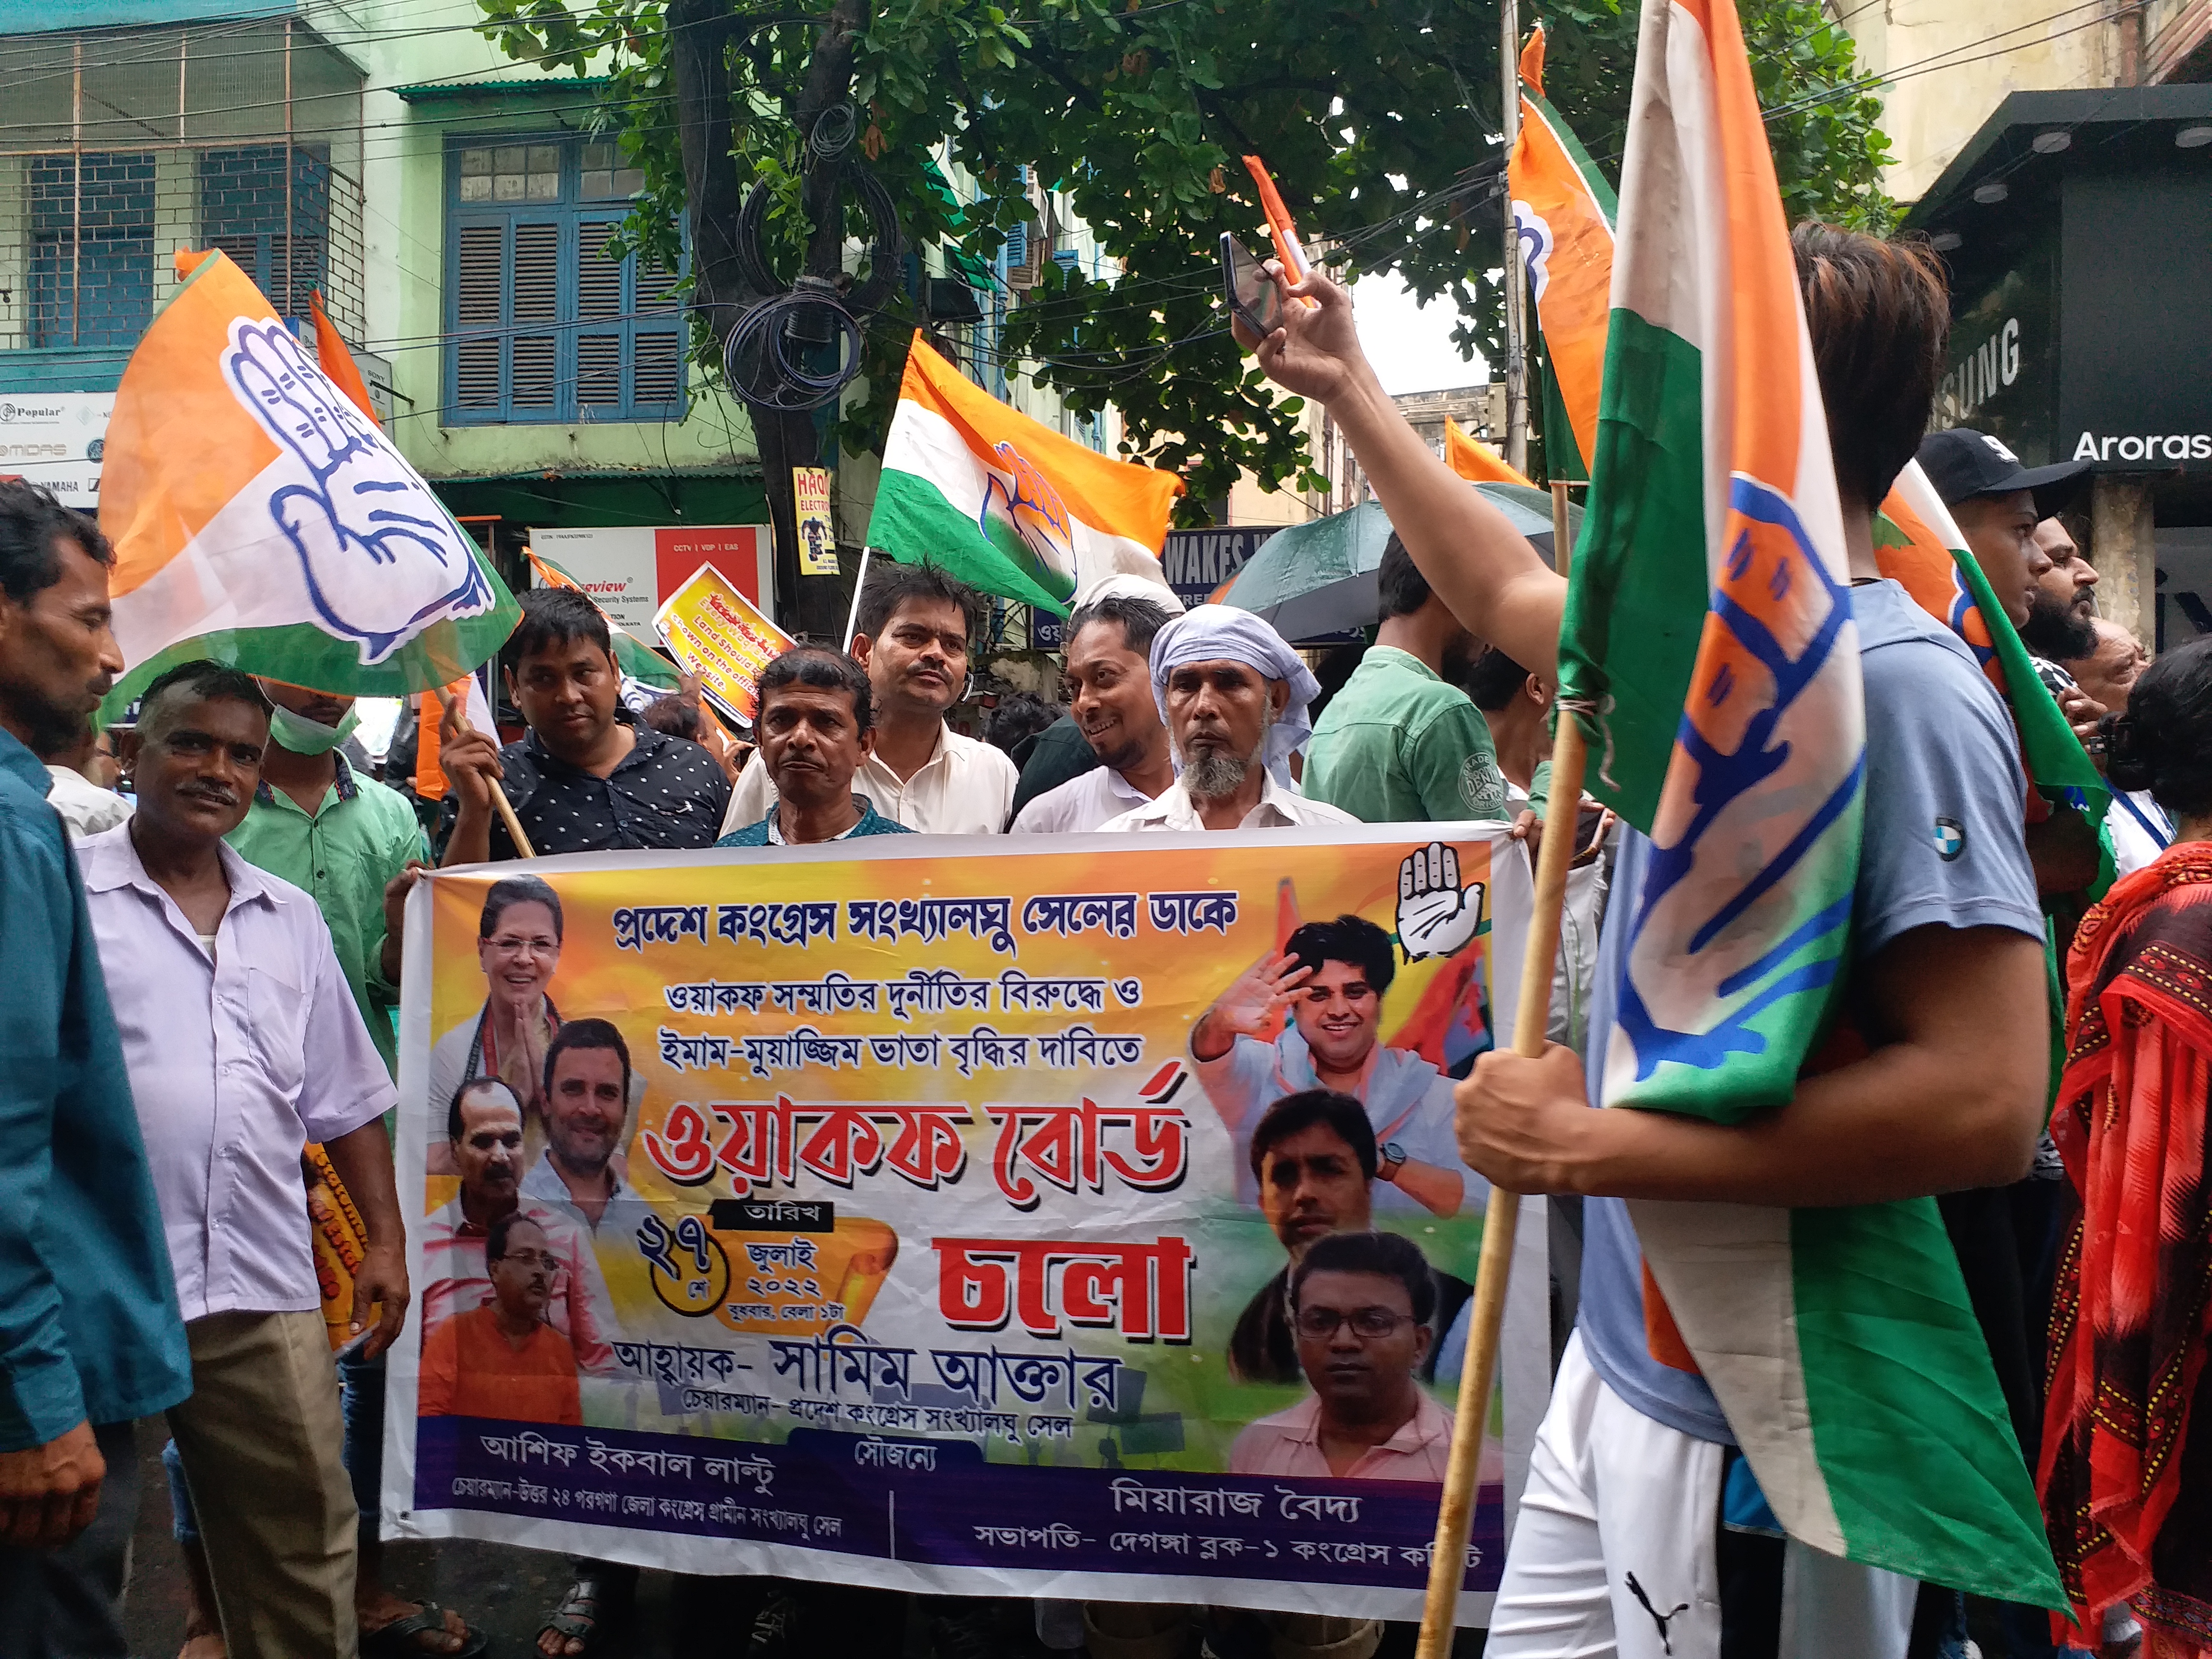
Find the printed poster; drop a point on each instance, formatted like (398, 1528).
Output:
(713, 632)
(962, 1215)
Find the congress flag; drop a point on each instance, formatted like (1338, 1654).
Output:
(260, 519)
(1711, 578)
(1005, 503)
(1564, 213)
(1475, 460)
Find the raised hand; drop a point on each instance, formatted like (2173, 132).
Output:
(468, 757)
(1246, 1008)
(1316, 353)
(381, 556)
(1436, 917)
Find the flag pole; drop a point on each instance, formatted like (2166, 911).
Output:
(505, 807)
(1516, 324)
(852, 616)
(1456, 1515)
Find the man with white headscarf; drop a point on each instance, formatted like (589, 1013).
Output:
(1235, 697)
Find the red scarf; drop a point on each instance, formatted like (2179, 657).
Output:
(2132, 1315)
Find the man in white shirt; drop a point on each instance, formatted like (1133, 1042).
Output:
(243, 1044)
(1109, 642)
(84, 776)
(915, 628)
(1234, 696)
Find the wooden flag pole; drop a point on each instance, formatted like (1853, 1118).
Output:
(499, 799)
(1455, 1517)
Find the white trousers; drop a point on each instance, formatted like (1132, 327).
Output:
(1613, 1556)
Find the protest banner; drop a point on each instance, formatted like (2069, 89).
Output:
(937, 1259)
(714, 632)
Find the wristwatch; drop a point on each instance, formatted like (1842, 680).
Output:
(1391, 1158)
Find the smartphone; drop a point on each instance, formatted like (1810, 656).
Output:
(1251, 292)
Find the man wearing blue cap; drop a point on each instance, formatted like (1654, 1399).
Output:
(1235, 698)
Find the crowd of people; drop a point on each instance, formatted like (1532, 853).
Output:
(203, 973)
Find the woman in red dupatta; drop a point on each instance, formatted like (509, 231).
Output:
(2126, 1471)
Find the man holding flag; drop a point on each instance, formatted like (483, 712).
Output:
(1774, 1338)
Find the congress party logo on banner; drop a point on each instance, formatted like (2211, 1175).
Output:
(949, 1215)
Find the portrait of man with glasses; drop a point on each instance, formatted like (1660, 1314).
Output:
(1363, 1307)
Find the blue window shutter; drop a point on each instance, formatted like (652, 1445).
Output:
(543, 325)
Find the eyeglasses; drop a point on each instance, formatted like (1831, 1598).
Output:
(550, 1262)
(509, 946)
(1372, 1323)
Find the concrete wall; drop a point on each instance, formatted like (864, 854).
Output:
(1957, 60)
(405, 186)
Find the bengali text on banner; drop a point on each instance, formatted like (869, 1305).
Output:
(935, 1255)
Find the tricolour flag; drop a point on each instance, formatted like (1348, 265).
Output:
(1709, 632)
(260, 519)
(1475, 460)
(1006, 504)
(1919, 542)
(1564, 211)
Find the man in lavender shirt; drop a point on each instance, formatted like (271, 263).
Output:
(243, 1043)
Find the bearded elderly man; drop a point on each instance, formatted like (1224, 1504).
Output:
(1234, 696)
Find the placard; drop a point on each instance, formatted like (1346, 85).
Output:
(713, 632)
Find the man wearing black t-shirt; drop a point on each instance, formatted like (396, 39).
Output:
(587, 777)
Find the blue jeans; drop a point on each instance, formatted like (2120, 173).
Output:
(362, 1398)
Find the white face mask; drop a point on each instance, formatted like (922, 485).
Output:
(305, 737)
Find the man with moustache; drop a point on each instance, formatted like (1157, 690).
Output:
(483, 1127)
(1110, 642)
(1365, 1308)
(587, 777)
(915, 628)
(89, 1336)
(1235, 696)
(1314, 1158)
(1401, 742)
(2064, 602)
(816, 726)
(502, 1360)
(588, 1083)
(243, 1043)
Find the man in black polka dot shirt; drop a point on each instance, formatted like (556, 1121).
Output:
(587, 777)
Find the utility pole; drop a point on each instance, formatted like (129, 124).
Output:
(1516, 323)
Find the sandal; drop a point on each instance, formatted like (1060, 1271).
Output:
(578, 1618)
(397, 1639)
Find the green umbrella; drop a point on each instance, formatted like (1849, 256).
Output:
(1319, 577)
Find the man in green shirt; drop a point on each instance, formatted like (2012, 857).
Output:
(1401, 743)
(323, 827)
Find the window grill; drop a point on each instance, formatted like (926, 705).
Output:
(119, 149)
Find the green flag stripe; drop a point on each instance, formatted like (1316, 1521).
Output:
(1638, 595)
(304, 655)
(1924, 1471)
(912, 521)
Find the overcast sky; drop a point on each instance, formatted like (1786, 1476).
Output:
(1410, 345)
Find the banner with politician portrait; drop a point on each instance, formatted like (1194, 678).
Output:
(990, 1217)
